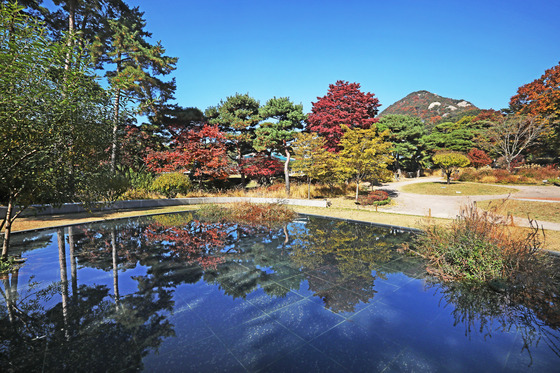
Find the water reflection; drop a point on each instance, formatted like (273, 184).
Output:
(127, 280)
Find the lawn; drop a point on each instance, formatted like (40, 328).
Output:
(545, 211)
(456, 189)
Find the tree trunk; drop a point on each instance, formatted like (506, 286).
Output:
(71, 27)
(115, 130)
(73, 266)
(115, 267)
(116, 108)
(7, 228)
(63, 279)
(308, 187)
(357, 189)
(239, 159)
(287, 172)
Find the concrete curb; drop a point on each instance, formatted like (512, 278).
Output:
(73, 208)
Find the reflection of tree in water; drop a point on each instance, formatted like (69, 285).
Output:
(480, 309)
(348, 256)
(86, 330)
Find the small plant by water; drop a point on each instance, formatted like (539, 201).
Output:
(249, 213)
(480, 246)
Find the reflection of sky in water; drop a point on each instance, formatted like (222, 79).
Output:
(328, 296)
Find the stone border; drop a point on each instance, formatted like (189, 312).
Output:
(397, 227)
(74, 208)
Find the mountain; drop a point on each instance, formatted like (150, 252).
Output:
(431, 108)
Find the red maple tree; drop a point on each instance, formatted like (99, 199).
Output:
(541, 97)
(262, 167)
(479, 158)
(200, 151)
(344, 104)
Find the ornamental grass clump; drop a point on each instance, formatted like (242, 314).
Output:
(269, 215)
(480, 246)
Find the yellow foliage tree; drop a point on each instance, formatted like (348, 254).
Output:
(365, 155)
(449, 162)
(312, 159)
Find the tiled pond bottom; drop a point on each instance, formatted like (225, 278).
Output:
(170, 293)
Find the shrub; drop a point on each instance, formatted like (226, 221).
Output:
(132, 194)
(268, 215)
(468, 174)
(480, 246)
(376, 197)
(171, 184)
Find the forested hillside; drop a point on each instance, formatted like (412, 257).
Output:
(431, 108)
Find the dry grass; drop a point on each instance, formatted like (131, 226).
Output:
(455, 189)
(543, 211)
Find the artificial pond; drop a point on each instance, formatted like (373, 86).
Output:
(172, 293)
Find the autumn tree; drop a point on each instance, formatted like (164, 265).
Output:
(312, 159)
(478, 158)
(262, 167)
(237, 117)
(276, 136)
(201, 152)
(540, 99)
(365, 155)
(344, 104)
(513, 134)
(405, 134)
(449, 162)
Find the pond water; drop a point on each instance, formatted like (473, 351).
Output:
(172, 293)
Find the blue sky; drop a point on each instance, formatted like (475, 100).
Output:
(480, 51)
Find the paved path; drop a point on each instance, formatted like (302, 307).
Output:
(449, 206)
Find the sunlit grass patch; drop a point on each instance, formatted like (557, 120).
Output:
(540, 211)
(456, 189)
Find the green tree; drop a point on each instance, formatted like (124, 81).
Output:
(311, 158)
(52, 120)
(449, 162)
(365, 155)
(276, 136)
(137, 67)
(452, 136)
(237, 117)
(406, 134)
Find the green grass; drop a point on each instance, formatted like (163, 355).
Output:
(456, 189)
(545, 211)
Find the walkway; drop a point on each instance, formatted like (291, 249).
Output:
(449, 206)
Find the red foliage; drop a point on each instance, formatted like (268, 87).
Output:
(198, 242)
(262, 167)
(490, 115)
(479, 158)
(435, 119)
(541, 97)
(199, 151)
(345, 104)
(374, 197)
